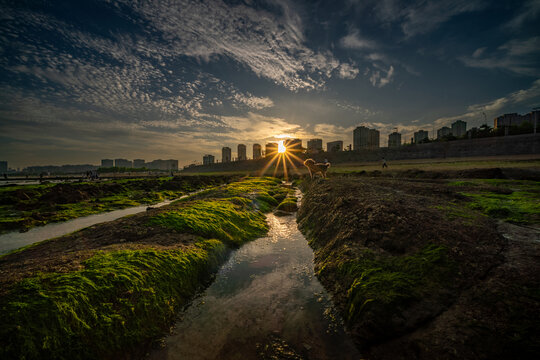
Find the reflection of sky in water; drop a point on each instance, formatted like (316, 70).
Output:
(267, 287)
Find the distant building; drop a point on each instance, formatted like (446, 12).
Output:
(394, 139)
(270, 149)
(208, 159)
(374, 139)
(420, 135)
(242, 152)
(365, 138)
(314, 145)
(444, 131)
(139, 163)
(226, 154)
(293, 145)
(334, 146)
(459, 128)
(257, 151)
(107, 163)
(163, 165)
(122, 163)
(3, 167)
(516, 119)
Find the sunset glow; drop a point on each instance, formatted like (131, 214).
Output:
(281, 147)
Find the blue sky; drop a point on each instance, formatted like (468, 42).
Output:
(86, 80)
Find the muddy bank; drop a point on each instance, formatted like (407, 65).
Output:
(109, 290)
(25, 206)
(421, 269)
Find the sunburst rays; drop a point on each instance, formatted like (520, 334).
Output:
(285, 157)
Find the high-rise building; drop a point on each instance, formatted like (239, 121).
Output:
(516, 119)
(257, 151)
(242, 152)
(314, 145)
(107, 163)
(334, 146)
(394, 139)
(123, 163)
(459, 128)
(226, 154)
(208, 159)
(444, 131)
(374, 139)
(3, 167)
(139, 163)
(365, 138)
(293, 145)
(420, 135)
(270, 149)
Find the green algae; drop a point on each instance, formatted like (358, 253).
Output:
(122, 300)
(232, 220)
(288, 204)
(382, 284)
(118, 300)
(25, 206)
(516, 201)
(232, 213)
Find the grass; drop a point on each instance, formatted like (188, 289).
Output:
(381, 284)
(527, 161)
(119, 300)
(509, 200)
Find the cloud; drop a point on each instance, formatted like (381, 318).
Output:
(419, 16)
(425, 16)
(527, 12)
(353, 40)
(347, 71)
(522, 98)
(253, 102)
(378, 79)
(271, 45)
(354, 108)
(519, 56)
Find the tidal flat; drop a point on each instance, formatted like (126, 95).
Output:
(425, 266)
(23, 207)
(115, 287)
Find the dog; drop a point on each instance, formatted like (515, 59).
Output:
(315, 168)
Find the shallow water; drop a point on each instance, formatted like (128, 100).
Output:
(265, 303)
(14, 240)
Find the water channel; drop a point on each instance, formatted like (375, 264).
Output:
(14, 240)
(265, 303)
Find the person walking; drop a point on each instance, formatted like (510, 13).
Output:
(384, 165)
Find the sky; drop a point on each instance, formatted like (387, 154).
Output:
(81, 81)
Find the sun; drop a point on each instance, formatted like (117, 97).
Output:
(281, 147)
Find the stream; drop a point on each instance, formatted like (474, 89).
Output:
(265, 303)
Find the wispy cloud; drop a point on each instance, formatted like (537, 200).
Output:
(527, 12)
(269, 44)
(380, 77)
(418, 16)
(518, 55)
(353, 40)
(525, 98)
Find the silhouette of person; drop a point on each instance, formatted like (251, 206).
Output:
(384, 165)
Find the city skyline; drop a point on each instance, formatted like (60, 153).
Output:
(82, 81)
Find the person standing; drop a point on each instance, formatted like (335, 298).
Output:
(384, 165)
